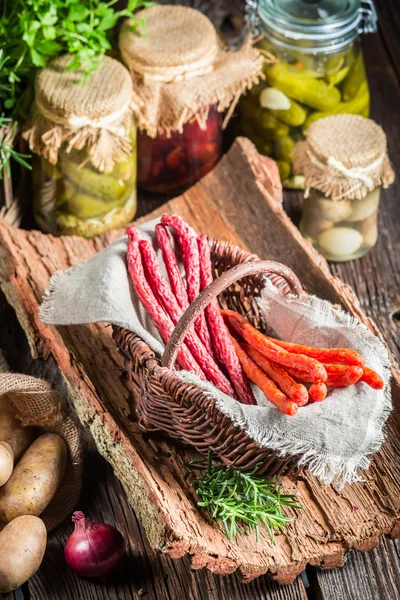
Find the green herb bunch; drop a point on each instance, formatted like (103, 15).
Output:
(32, 32)
(232, 497)
(8, 130)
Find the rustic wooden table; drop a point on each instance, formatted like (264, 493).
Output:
(375, 279)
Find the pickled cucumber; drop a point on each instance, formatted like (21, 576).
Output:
(271, 127)
(353, 107)
(125, 170)
(282, 107)
(51, 171)
(284, 148)
(337, 67)
(308, 90)
(68, 224)
(355, 79)
(284, 169)
(99, 184)
(262, 119)
(336, 78)
(294, 116)
(87, 207)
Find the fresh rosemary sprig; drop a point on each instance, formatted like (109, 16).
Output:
(232, 497)
(8, 131)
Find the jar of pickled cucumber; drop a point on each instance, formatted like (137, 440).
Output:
(344, 163)
(319, 71)
(183, 81)
(84, 135)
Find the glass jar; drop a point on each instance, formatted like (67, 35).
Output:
(183, 80)
(320, 72)
(83, 132)
(341, 230)
(169, 164)
(72, 197)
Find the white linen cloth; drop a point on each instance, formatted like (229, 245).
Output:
(334, 438)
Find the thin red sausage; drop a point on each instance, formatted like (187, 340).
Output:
(266, 385)
(155, 311)
(273, 352)
(167, 299)
(187, 240)
(317, 392)
(171, 265)
(220, 337)
(325, 355)
(295, 391)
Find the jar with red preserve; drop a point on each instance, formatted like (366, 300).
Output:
(174, 162)
(185, 87)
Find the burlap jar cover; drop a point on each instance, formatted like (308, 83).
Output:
(344, 157)
(95, 114)
(37, 405)
(180, 68)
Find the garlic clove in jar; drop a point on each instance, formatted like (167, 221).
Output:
(311, 226)
(371, 237)
(274, 99)
(333, 211)
(340, 241)
(362, 209)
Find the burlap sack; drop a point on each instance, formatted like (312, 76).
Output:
(96, 115)
(36, 404)
(180, 68)
(344, 157)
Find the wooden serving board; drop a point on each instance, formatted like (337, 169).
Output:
(235, 202)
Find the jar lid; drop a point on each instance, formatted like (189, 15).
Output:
(320, 22)
(60, 92)
(95, 114)
(344, 156)
(178, 41)
(180, 68)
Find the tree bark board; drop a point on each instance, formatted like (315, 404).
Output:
(233, 198)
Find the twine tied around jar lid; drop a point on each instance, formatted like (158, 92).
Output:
(95, 114)
(180, 68)
(344, 157)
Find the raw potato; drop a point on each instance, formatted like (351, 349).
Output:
(11, 430)
(6, 462)
(35, 479)
(22, 543)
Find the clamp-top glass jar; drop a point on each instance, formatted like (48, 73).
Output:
(319, 71)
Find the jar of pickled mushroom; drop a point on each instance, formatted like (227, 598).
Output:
(319, 71)
(84, 135)
(344, 163)
(183, 81)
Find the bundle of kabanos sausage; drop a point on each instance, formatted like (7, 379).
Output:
(227, 353)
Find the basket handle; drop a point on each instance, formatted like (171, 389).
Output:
(266, 267)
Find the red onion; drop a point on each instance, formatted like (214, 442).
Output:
(93, 549)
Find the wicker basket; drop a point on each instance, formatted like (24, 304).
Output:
(183, 410)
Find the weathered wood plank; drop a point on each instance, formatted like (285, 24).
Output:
(152, 471)
(371, 575)
(389, 27)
